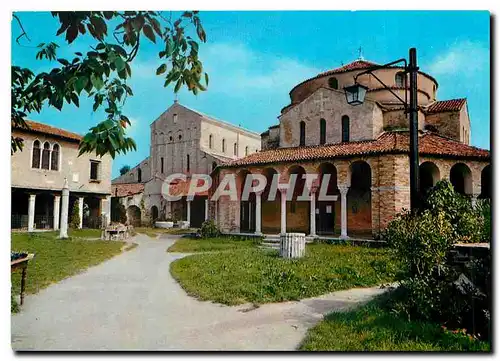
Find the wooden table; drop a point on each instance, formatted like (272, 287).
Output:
(21, 263)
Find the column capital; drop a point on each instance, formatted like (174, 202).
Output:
(32, 195)
(282, 190)
(343, 189)
(259, 193)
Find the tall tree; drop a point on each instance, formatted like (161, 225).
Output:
(102, 71)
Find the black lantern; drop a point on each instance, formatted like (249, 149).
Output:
(355, 94)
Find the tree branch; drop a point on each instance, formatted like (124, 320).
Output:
(24, 33)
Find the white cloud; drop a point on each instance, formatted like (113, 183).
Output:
(465, 57)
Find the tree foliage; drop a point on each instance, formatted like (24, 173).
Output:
(102, 72)
(124, 169)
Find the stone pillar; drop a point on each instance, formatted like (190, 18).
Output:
(57, 202)
(80, 209)
(63, 233)
(312, 220)
(105, 211)
(343, 211)
(31, 213)
(258, 213)
(188, 218)
(283, 210)
(292, 245)
(206, 209)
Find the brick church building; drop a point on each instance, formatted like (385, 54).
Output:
(365, 150)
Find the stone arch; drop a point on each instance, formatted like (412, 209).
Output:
(247, 206)
(154, 213)
(486, 182)
(429, 175)
(297, 210)
(271, 204)
(327, 210)
(134, 215)
(461, 178)
(359, 208)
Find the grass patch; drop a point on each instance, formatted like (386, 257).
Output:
(56, 259)
(260, 276)
(84, 233)
(372, 327)
(153, 232)
(189, 245)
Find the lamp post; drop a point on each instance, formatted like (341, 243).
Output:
(355, 95)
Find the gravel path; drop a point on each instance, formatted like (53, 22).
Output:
(131, 302)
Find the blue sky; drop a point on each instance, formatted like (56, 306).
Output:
(255, 58)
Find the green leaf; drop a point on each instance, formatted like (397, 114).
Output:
(96, 81)
(149, 33)
(63, 61)
(178, 85)
(206, 79)
(119, 63)
(81, 83)
(75, 99)
(161, 69)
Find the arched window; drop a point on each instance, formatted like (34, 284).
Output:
(180, 136)
(35, 160)
(400, 79)
(246, 150)
(187, 163)
(210, 141)
(302, 133)
(322, 131)
(333, 83)
(139, 175)
(223, 145)
(54, 160)
(235, 149)
(345, 128)
(46, 155)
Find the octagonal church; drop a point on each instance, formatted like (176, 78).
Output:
(364, 149)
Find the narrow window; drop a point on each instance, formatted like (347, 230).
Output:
(180, 136)
(54, 160)
(210, 141)
(35, 161)
(235, 150)
(175, 118)
(46, 156)
(400, 79)
(345, 128)
(187, 163)
(333, 83)
(223, 145)
(139, 175)
(161, 164)
(302, 133)
(214, 165)
(94, 170)
(246, 150)
(322, 131)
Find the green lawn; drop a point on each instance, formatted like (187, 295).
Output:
(153, 232)
(260, 276)
(374, 328)
(189, 245)
(57, 259)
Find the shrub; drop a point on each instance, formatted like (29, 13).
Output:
(466, 222)
(74, 221)
(209, 230)
(483, 209)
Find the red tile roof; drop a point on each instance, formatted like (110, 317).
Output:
(126, 189)
(50, 130)
(389, 142)
(355, 65)
(451, 105)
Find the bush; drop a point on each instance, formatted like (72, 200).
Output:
(467, 223)
(209, 230)
(74, 221)
(483, 209)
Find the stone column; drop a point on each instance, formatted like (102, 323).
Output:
(188, 213)
(80, 209)
(106, 211)
(283, 210)
(31, 213)
(206, 209)
(258, 213)
(57, 202)
(312, 219)
(63, 233)
(343, 211)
